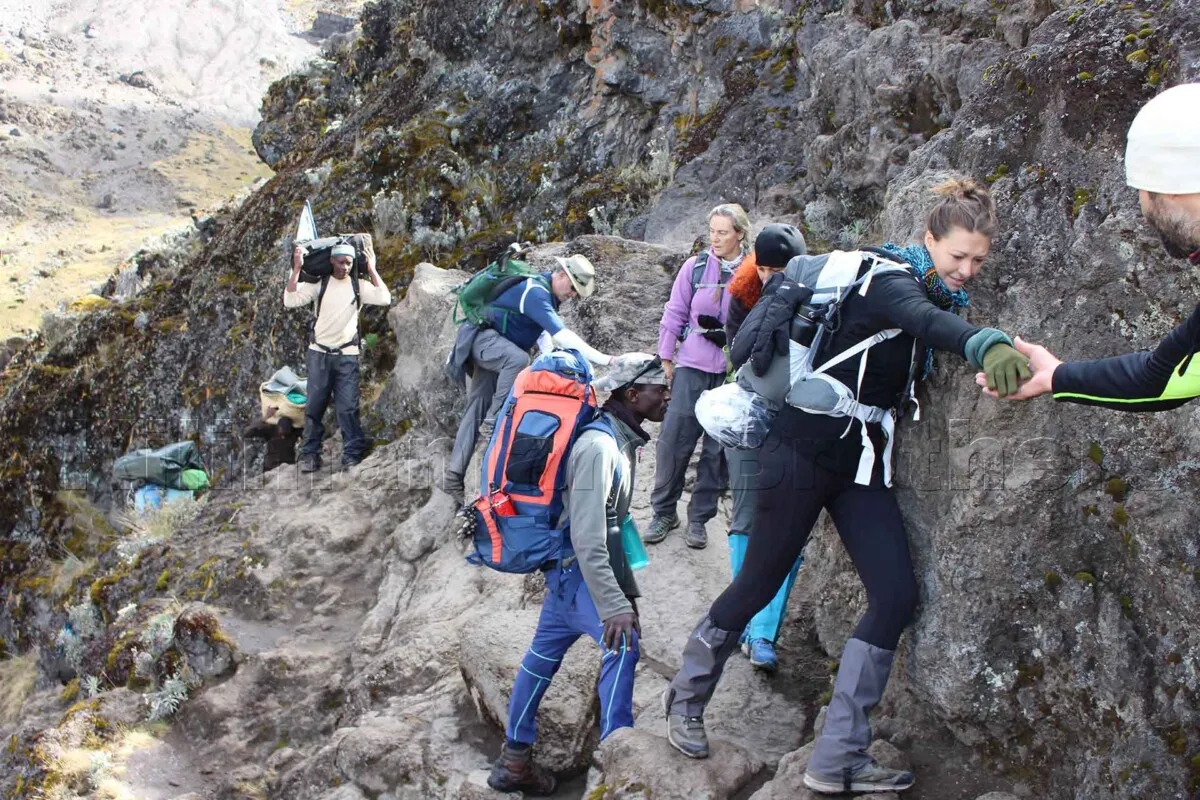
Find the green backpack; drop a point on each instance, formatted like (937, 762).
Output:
(486, 285)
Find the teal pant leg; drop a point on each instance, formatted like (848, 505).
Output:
(737, 550)
(766, 623)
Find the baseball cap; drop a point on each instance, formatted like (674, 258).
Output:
(632, 368)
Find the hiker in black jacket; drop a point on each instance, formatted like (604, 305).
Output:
(774, 247)
(836, 456)
(1162, 161)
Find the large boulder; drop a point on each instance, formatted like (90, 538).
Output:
(418, 392)
(636, 765)
(490, 655)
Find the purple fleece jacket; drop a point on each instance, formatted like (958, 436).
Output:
(684, 309)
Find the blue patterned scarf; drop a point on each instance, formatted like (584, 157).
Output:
(917, 256)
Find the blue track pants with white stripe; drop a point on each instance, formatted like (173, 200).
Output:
(568, 613)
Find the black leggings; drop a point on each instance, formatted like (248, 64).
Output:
(792, 490)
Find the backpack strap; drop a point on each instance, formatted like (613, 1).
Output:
(698, 269)
(312, 323)
(321, 296)
(861, 347)
(878, 264)
(699, 265)
(610, 504)
(502, 286)
(601, 423)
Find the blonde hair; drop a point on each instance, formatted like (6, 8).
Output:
(741, 221)
(964, 204)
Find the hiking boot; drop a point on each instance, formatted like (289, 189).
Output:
(696, 537)
(659, 528)
(871, 777)
(310, 463)
(762, 654)
(686, 734)
(515, 771)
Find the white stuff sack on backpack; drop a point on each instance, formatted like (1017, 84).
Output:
(735, 417)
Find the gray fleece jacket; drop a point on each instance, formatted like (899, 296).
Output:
(590, 472)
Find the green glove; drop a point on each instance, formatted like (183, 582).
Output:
(1005, 369)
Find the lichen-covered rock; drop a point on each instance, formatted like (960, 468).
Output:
(1052, 542)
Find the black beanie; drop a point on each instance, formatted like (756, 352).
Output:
(777, 244)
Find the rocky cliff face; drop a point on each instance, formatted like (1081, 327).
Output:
(1052, 655)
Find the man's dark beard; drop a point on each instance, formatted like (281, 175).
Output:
(1180, 235)
(1174, 249)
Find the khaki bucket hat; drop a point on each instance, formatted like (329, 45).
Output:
(581, 272)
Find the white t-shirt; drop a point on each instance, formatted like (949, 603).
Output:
(337, 323)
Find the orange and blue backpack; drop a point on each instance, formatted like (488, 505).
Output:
(516, 516)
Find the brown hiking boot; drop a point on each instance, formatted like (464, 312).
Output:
(515, 771)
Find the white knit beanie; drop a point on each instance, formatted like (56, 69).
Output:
(1163, 151)
(342, 250)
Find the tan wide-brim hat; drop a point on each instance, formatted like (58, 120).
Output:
(581, 273)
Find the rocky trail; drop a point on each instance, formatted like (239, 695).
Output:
(295, 638)
(372, 660)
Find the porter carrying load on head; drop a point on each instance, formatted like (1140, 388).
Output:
(332, 362)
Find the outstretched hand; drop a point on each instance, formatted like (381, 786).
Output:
(1042, 364)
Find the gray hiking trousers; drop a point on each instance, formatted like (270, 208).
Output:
(496, 362)
(743, 485)
(676, 443)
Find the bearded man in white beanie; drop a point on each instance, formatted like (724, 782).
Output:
(333, 350)
(1162, 161)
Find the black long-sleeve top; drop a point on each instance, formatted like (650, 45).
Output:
(734, 319)
(1154, 380)
(893, 300)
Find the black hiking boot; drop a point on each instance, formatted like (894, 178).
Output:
(310, 463)
(515, 771)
